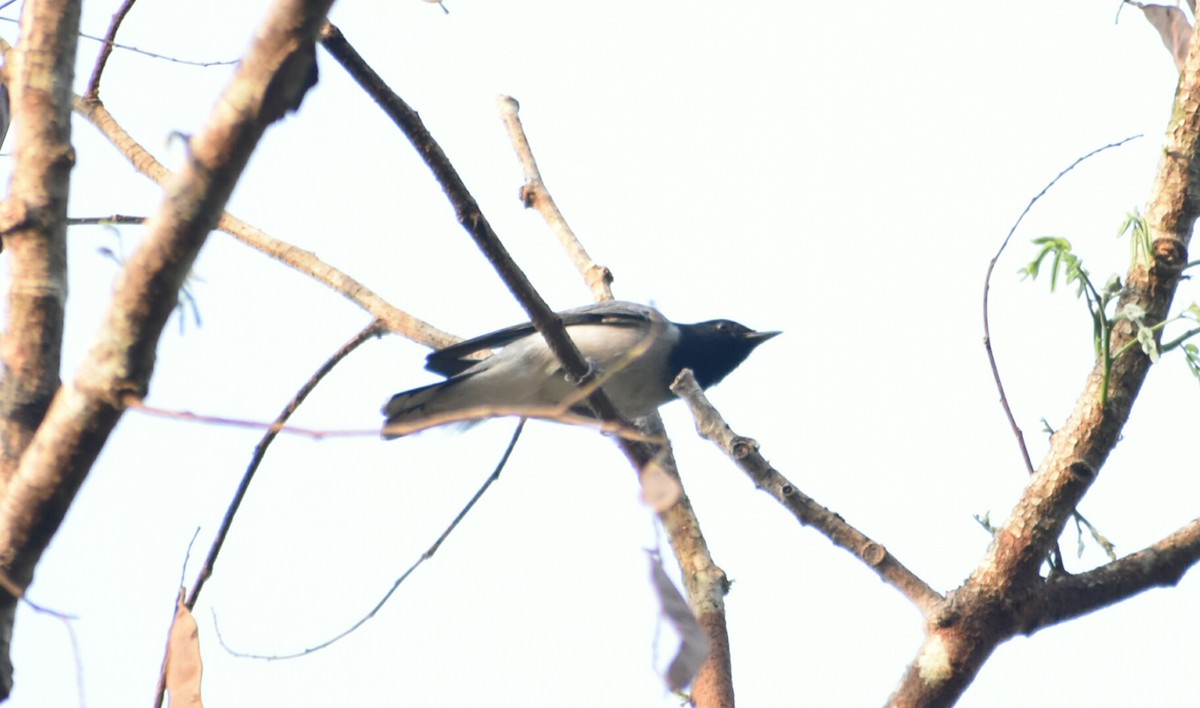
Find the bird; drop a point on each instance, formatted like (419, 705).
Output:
(641, 349)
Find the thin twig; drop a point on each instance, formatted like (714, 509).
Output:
(987, 285)
(77, 653)
(115, 219)
(147, 53)
(135, 403)
(93, 87)
(555, 413)
(10, 587)
(534, 194)
(429, 553)
(67, 619)
(256, 459)
(260, 452)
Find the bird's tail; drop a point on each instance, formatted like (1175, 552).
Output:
(410, 406)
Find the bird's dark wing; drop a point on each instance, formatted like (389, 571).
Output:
(454, 359)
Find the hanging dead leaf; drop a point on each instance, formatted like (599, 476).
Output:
(693, 645)
(659, 489)
(183, 659)
(1173, 27)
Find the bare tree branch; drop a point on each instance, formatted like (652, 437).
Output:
(534, 194)
(276, 72)
(1162, 564)
(306, 262)
(33, 226)
(744, 452)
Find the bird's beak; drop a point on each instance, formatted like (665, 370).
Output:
(760, 337)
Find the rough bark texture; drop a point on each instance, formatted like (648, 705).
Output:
(33, 226)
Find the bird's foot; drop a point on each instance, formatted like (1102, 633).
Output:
(588, 376)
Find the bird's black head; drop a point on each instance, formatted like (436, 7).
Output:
(713, 349)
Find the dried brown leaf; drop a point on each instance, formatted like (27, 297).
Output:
(183, 659)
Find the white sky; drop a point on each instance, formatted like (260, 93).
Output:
(842, 172)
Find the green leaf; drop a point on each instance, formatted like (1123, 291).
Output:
(1192, 358)
(1056, 247)
(1139, 245)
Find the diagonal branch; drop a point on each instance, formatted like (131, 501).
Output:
(744, 452)
(395, 319)
(260, 450)
(93, 87)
